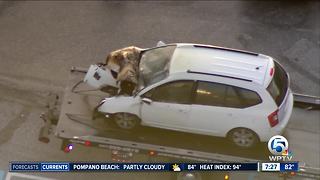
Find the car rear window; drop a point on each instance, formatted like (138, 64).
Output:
(279, 84)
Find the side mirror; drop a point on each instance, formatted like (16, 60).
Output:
(146, 100)
(160, 43)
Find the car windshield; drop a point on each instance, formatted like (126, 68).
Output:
(279, 85)
(154, 65)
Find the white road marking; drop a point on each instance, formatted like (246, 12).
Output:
(2, 173)
(26, 176)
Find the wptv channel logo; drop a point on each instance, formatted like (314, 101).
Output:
(279, 147)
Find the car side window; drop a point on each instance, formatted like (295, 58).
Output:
(173, 92)
(241, 98)
(216, 94)
(232, 98)
(212, 94)
(148, 94)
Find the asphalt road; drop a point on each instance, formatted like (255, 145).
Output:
(40, 41)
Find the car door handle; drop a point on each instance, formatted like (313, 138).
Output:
(146, 100)
(182, 110)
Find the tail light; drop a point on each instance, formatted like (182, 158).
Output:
(152, 153)
(271, 71)
(87, 143)
(273, 118)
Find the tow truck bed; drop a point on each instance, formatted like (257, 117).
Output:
(78, 124)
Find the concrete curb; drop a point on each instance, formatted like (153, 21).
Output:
(2, 175)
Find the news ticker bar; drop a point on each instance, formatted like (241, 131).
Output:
(105, 167)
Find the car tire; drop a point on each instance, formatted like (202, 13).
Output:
(243, 137)
(126, 121)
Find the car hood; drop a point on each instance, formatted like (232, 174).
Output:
(99, 77)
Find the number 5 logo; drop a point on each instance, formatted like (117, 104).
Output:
(278, 144)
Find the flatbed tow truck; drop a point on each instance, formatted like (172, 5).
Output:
(74, 120)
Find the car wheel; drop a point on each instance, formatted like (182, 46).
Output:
(126, 121)
(243, 137)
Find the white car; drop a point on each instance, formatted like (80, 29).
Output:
(207, 90)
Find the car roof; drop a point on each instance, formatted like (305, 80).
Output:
(213, 60)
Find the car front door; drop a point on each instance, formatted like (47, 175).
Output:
(168, 105)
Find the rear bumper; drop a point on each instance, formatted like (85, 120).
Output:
(279, 129)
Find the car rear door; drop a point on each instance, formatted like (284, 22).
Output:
(217, 108)
(280, 91)
(208, 114)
